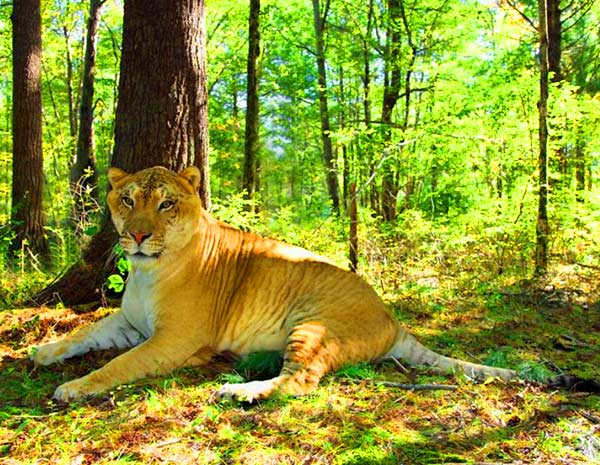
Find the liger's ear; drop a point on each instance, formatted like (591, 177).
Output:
(192, 175)
(116, 176)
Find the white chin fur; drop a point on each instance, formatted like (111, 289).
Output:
(142, 259)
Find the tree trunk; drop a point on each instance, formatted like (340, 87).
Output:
(554, 34)
(366, 81)
(580, 167)
(27, 220)
(84, 175)
(353, 253)
(198, 89)
(70, 93)
(161, 119)
(251, 145)
(391, 93)
(159, 113)
(344, 148)
(328, 160)
(542, 228)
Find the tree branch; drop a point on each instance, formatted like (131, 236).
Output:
(513, 5)
(325, 13)
(578, 13)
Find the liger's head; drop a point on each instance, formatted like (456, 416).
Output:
(155, 211)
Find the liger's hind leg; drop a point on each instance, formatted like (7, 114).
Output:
(308, 356)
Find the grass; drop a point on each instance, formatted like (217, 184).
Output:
(348, 419)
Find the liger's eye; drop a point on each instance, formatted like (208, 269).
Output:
(127, 201)
(166, 205)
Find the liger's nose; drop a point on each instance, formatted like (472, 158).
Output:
(140, 237)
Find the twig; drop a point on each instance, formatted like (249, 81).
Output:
(593, 267)
(168, 442)
(400, 367)
(35, 262)
(387, 153)
(418, 387)
(589, 417)
(408, 387)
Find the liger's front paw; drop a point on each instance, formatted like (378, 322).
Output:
(246, 392)
(48, 353)
(77, 389)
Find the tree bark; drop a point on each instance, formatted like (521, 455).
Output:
(161, 119)
(27, 220)
(554, 34)
(353, 236)
(70, 92)
(580, 167)
(251, 145)
(84, 174)
(328, 159)
(344, 148)
(542, 227)
(366, 81)
(391, 93)
(162, 88)
(199, 100)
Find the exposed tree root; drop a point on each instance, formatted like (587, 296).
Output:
(83, 282)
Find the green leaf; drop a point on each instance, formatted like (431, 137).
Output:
(115, 283)
(123, 265)
(91, 230)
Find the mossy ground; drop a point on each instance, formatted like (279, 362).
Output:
(348, 420)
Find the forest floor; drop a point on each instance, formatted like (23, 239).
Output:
(554, 325)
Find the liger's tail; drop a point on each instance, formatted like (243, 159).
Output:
(411, 350)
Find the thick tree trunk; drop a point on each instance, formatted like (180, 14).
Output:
(84, 175)
(328, 159)
(162, 88)
(251, 145)
(161, 119)
(542, 228)
(27, 220)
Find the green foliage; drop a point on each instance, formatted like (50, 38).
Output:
(116, 281)
(237, 211)
(259, 365)
(461, 150)
(534, 372)
(357, 371)
(461, 147)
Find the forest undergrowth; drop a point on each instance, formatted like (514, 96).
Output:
(468, 295)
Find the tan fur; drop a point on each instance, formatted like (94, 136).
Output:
(199, 287)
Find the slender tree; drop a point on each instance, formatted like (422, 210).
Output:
(251, 146)
(161, 118)
(554, 34)
(71, 94)
(391, 94)
(320, 19)
(542, 228)
(366, 82)
(84, 175)
(27, 219)
(353, 234)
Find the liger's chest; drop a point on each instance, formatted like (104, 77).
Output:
(139, 301)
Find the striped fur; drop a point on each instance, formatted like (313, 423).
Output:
(199, 287)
